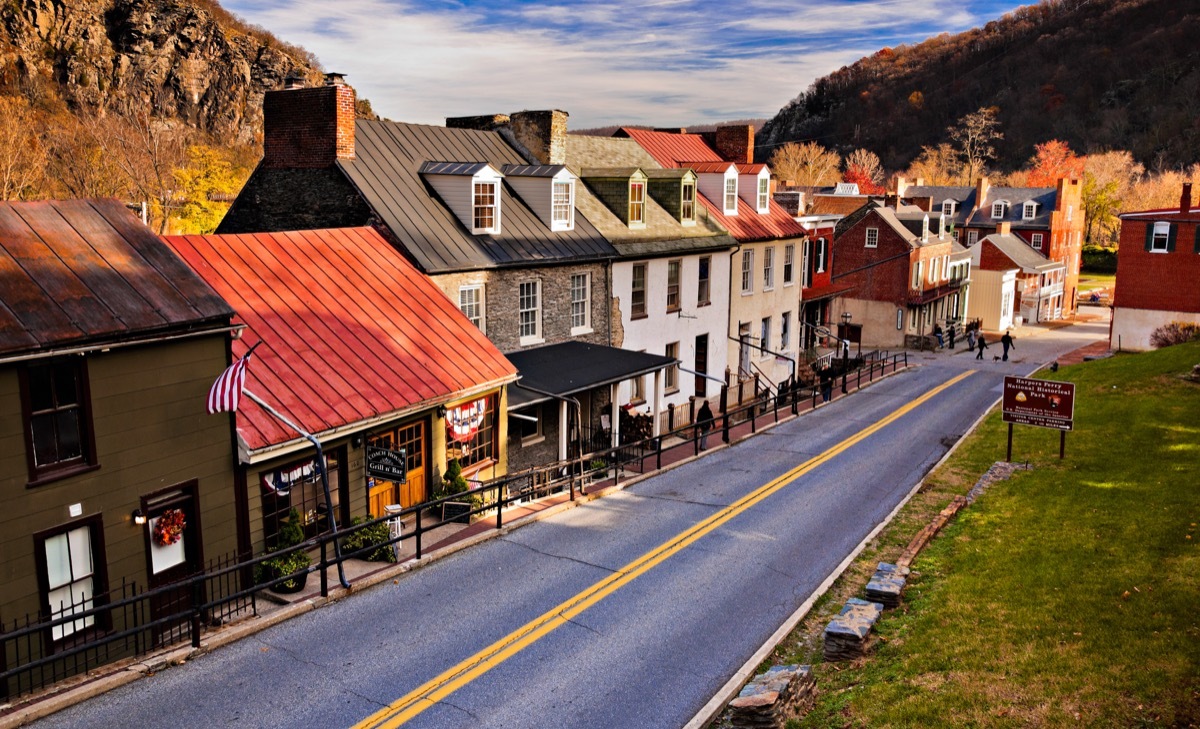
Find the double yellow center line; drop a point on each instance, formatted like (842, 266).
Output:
(438, 688)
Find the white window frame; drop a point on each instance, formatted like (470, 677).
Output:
(674, 285)
(529, 302)
(671, 374)
(731, 195)
(474, 310)
(764, 193)
(972, 237)
(480, 207)
(704, 281)
(747, 271)
(769, 268)
(637, 204)
(999, 209)
(765, 338)
(634, 312)
(789, 264)
(581, 304)
(71, 578)
(1029, 211)
(1161, 232)
(917, 275)
(872, 240)
(1035, 240)
(949, 206)
(785, 331)
(822, 248)
(687, 203)
(805, 253)
(562, 205)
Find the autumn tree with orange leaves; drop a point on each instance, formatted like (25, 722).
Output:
(1053, 161)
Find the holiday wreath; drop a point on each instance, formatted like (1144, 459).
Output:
(168, 529)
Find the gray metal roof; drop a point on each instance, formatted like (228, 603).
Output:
(1017, 251)
(532, 170)
(452, 168)
(387, 173)
(1045, 197)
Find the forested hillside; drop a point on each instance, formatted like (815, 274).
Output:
(155, 101)
(1097, 74)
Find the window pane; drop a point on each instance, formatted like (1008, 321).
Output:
(45, 445)
(58, 561)
(66, 391)
(41, 396)
(69, 444)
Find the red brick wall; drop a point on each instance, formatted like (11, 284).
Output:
(1162, 281)
(885, 281)
(308, 128)
(991, 259)
(735, 143)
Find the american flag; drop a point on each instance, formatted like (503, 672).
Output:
(227, 390)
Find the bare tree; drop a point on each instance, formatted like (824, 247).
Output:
(974, 134)
(935, 166)
(22, 152)
(868, 164)
(807, 164)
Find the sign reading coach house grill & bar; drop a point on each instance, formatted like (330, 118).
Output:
(386, 463)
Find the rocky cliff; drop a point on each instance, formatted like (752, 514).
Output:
(184, 59)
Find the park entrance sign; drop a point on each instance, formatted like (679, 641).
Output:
(1041, 403)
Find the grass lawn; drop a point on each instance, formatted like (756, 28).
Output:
(1090, 281)
(1066, 595)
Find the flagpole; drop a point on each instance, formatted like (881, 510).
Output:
(337, 548)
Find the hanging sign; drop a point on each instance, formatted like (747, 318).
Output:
(388, 464)
(463, 422)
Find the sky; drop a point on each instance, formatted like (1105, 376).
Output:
(655, 62)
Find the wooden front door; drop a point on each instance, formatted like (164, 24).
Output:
(172, 554)
(413, 438)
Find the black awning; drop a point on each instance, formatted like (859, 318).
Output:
(571, 367)
(519, 397)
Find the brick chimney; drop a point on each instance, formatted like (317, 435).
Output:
(309, 127)
(1004, 228)
(1185, 199)
(901, 186)
(981, 190)
(735, 143)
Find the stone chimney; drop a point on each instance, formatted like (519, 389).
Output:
(1004, 228)
(309, 127)
(901, 186)
(543, 134)
(735, 143)
(540, 136)
(1185, 199)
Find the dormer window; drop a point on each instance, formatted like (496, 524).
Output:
(486, 208)
(999, 210)
(764, 192)
(637, 204)
(562, 205)
(1028, 211)
(731, 189)
(471, 190)
(687, 213)
(754, 187)
(949, 207)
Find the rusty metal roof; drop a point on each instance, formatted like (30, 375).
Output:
(350, 329)
(79, 273)
(690, 150)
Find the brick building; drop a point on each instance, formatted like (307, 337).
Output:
(904, 270)
(1048, 219)
(1010, 280)
(1158, 272)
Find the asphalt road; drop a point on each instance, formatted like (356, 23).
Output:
(652, 651)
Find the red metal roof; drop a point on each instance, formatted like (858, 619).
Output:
(87, 272)
(350, 329)
(688, 150)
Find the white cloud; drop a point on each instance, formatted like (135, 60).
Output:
(663, 62)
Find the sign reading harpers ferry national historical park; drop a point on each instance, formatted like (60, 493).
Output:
(1044, 403)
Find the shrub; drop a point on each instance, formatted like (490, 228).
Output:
(1177, 332)
(363, 537)
(290, 534)
(1096, 259)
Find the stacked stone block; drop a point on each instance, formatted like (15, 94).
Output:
(887, 584)
(847, 635)
(768, 701)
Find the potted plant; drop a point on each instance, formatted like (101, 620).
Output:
(597, 469)
(290, 534)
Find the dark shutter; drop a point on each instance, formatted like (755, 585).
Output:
(1149, 236)
(1196, 245)
(1171, 237)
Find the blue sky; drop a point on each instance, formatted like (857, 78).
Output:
(657, 62)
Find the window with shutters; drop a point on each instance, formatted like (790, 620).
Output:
(1160, 238)
(58, 419)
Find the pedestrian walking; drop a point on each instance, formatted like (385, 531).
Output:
(1006, 341)
(952, 332)
(982, 344)
(704, 421)
(971, 340)
(937, 334)
(826, 384)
